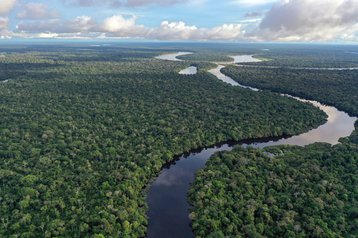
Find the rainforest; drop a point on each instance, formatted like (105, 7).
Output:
(94, 139)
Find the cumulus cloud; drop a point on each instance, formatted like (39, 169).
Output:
(3, 23)
(174, 31)
(6, 6)
(80, 24)
(309, 20)
(224, 32)
(118, 23)
(4, 32)
(84, 26)
(36, 11)
(287, 20)
(120, 26)
(181, 31)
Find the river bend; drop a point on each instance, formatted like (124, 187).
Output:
(167, 197)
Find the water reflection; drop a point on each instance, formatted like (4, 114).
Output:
(297, 68)
(244, 59)
(217, 72)
(189, 71)
(172, 56)
(338, 125)
(167, 198)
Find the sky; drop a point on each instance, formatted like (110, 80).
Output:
(182, 20)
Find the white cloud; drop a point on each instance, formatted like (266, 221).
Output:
(309, 20)
(182, 31)
(224, 32)
(36, 11)
(80, 24)
(6, 6)
(119, 26)
(4, 32)
(83, 26)
(174, 31)
(118, 23)
(3, 23)
(287, 20)
(46, 35)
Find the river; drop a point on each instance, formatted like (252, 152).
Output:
(298, 68)
(167, 197)
(189, 71)
(172, 56)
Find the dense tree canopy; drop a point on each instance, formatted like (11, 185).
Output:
(283, 191)
(82, 132)
(333, 87)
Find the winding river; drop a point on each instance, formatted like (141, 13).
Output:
(167, 197)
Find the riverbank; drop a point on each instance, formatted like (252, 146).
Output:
(167, 198)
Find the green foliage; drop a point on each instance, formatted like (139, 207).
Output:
(299, 192)
(285, 191)
(320, 56)
(333, 87)
(83, 132)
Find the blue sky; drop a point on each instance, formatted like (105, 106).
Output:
(197, 13)
(193, 20)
